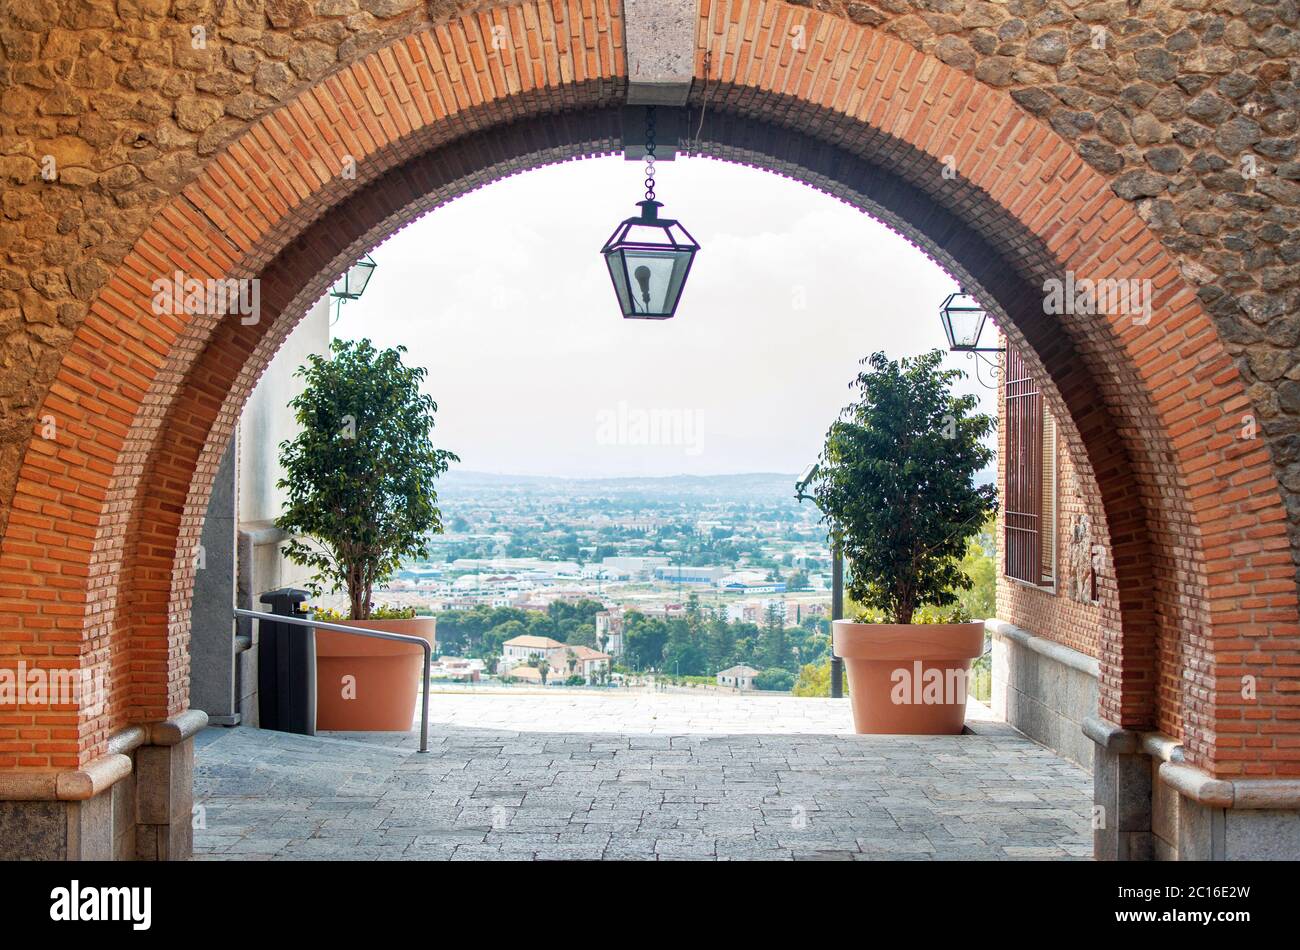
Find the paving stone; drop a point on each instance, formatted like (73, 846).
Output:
(654, 777)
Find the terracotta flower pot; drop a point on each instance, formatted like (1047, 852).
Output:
(368, 685)
(908, 679)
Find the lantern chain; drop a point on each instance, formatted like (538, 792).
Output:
(650, 153)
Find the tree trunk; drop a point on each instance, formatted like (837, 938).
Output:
(358, 601)
(905, 606)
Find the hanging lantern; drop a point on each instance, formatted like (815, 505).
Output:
(963, 323)
(352, 283)
(649, 257)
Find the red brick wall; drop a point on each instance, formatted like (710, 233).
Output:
(146, 403)
(1058, 616)
(1055, 614)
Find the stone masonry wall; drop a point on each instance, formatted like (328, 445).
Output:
(128, 109)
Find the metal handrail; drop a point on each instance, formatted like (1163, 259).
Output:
(362, 632)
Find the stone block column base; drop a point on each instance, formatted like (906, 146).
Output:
(1150, 805)
(135, 802)
(1121, 782)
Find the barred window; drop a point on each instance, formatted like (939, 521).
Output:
(1029, 496)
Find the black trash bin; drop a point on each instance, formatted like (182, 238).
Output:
(286, 666)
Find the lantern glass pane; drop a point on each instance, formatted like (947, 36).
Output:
(359, 276)
(352, 282)
(644, 234)
(654, 280)
(966, 325)
(677, 234)
(618, 274)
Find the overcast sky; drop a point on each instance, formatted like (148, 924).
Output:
(503, 295)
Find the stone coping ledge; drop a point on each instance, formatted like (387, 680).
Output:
(176, 730)
(1123, 741)
(1112, 738)
(99, 774)
(128, 740)
(68, 786)
(1162, 747)
(1238, 793)
(1190, 781)
(1044, 647)
(267, 534)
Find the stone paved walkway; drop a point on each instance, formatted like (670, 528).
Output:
(637, 775)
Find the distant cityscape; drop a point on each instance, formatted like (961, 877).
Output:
(737, 548)
(735, 541)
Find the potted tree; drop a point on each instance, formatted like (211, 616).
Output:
(896, 487)
(359, 479)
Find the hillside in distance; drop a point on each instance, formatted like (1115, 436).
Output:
(761, 488)
(754, 487)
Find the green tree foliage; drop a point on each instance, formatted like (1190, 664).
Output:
(583, 635)
(567, 618)
(896, 483)
(703, 641)
(980, 565)
(773, 646)
(540, 624)
(490, 645)
(720, 639)
(644, 639)
(699, 643)
(774, 679)
(477, 632)
(684, 658)
(360, 474)
(686, 653)
(815, 680)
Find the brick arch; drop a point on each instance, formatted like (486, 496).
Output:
(152, 399)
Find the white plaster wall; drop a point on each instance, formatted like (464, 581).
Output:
(267, 420)
(265, 423)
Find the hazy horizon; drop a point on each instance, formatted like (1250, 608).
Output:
(463, 472)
